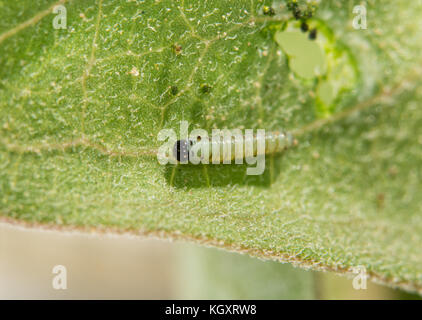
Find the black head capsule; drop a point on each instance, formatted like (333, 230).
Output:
(181, 150)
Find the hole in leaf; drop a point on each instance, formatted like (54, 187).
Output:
(321, 58)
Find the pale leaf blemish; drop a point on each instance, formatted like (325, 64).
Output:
(134, 72)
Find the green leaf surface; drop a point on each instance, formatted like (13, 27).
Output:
(80, 110)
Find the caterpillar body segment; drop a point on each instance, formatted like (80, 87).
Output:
(226, 148)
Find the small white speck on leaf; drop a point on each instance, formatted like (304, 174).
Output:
(134, 72)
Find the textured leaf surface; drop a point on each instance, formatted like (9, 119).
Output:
(80, 110)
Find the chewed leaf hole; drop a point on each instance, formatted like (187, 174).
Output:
(314, 54)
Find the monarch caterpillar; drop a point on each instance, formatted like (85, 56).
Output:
(273, 142)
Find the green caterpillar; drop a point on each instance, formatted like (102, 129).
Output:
(224, 150)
